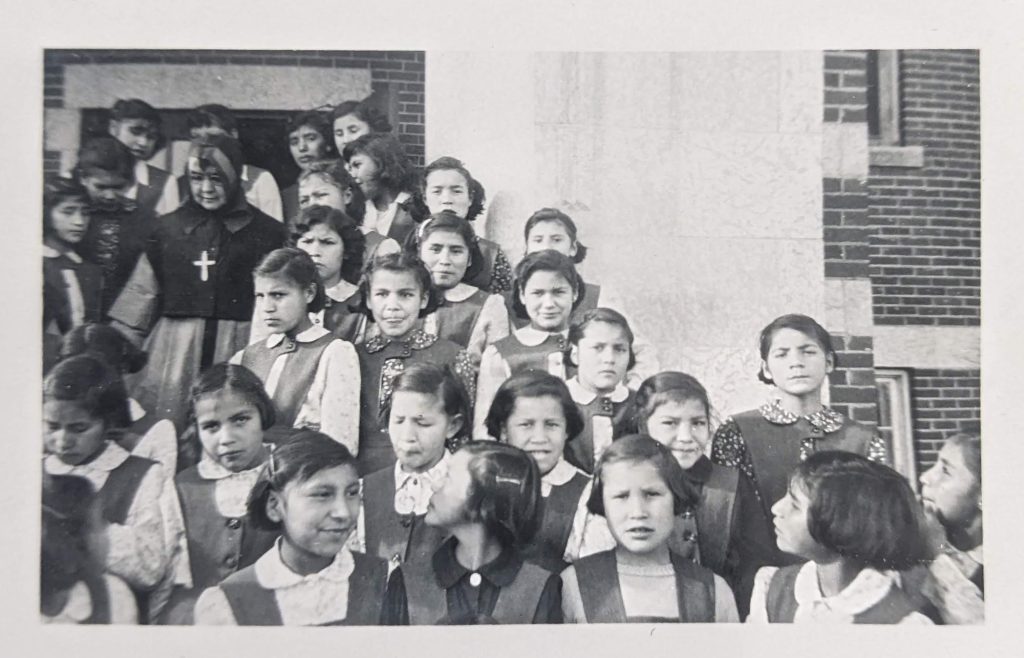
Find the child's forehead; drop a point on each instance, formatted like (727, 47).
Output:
(341, 476)
(526, 404)
(447, 176)
(304, 130)
(546, 278)
(445, 236)
(275, 281)
(632, 471)
(552, 225)
(789, 336)
(388, 278)
(225, 400)
(137, 123)
(604, 330)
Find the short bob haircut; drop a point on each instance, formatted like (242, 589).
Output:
(398, 262)
(319, 122)
(135, 108)
(57, 190)
(96, 387)
(532, 384)
(504, 491)
(353, 242)
(608, 316)
(333, 173)
(296, 266)
(104, 342)
(365, 112)
(547, 260)
(639, 448)
(212, 115)
(802, 323)
(238, 379)
(669, 386)
(442, 383)
(863, 511)
(305, 454)
(452, 223)
(477, 194)
(397, 172)
(555, 215)
(106, 155)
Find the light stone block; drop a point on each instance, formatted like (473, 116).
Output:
(61, 129)
(801, 91)
(239, 87)
(844, 150)
(927, 347)
(848, 307)
(726, 92)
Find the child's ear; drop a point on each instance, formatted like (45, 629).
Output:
(275, 507)
(574, 355)
(425, 299)
(112, 127)
(454, 426)
(767, 373)
(830, 363)
(310, 293)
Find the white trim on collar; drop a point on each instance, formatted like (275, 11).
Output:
(562, 472)
(273, 573)
(868, 588)
(112, 456)
(341, 291)
(52, 252)
(533, 337)
(308, 336)
(460, 293)
(581, 395)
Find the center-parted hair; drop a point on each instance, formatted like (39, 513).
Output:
(333, 172)
(396, 171)
(399, 262)
(93, 385)
(365, 112)
(608, 316)
(442, 383)
(104, 342)
(802, 323)
(640, 449)
(547, 260)
(559, 217)
(319, 122)
(306, 453)
(353, 242)
(448, 221)
(297, 267)
(475, 189)
(504, 491)
(861, 510)
(532, 384)
(669, 386)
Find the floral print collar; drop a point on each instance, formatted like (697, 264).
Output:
(419, 340)
(825, 420)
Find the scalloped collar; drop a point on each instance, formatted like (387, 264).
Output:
(418, 340)
(825, 419)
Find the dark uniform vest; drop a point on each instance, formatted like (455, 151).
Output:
(254, 605)
(148, 196)
(598, 579)
(782, 605)
(521, 358)
(114, 241)
(296, 376)
(56, 303)
(580, 451)
(455, 320)
(341, 320)
(557, 513)
(393, 537)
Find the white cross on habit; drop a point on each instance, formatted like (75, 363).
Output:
(204, 264)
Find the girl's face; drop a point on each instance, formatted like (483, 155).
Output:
(548, 298)
(682, 427)
(638, 506)
(366, 173)
(796, 363)
(230, 429)
(537, 426)
(326, 248)
(418, 427)
(447, 189)
(71, 433)
(209, 189)
(550, 235)
(139, 135)
(448, 504)
(69, 220)
(446, 255)
(950, 490)
(791, 516)
(348, 129)
(602, 356)
(396, 300)
(315, 191)
(282, 304)
(317, 516)
(307, 146)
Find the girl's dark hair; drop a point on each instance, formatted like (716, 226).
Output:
(353, 242)
(555, 215)
(135, 108)
(105, 342)
(64, 555)
(396, 171)
(639, 448)
(802, 323)
(334, 172)
(608, 316)
(241, 380)
(298, 267)
(93, 385)
(212, 115)
(665, 387)
(449, 221)
(547, 260)
(862, 511)
(319, 122)
(532, 384)
(105, 154)
(441, 382)
(57, 190)
(306, 453)
(398, 262)
(477, 194)
(365, 112)
(970, 448)
(504, 491)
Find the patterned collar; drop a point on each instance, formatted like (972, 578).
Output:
(581, 395)
(531, 337)
(413, 490)
(826, 420)
(868, 588)
(52, 252)
(112, 456)
(308, 336)
(341, 291)
(460, 293)
(273, 573)
(418, 340)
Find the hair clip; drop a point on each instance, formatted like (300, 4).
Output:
(54, 512)
(502, 479)
(271, 466)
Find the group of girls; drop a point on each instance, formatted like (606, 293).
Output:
(364, 415)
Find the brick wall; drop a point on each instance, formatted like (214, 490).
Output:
(944, 402)
(925, 222)
(852, 389)
(402, 72)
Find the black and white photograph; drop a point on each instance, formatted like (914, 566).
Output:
(535, 335)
